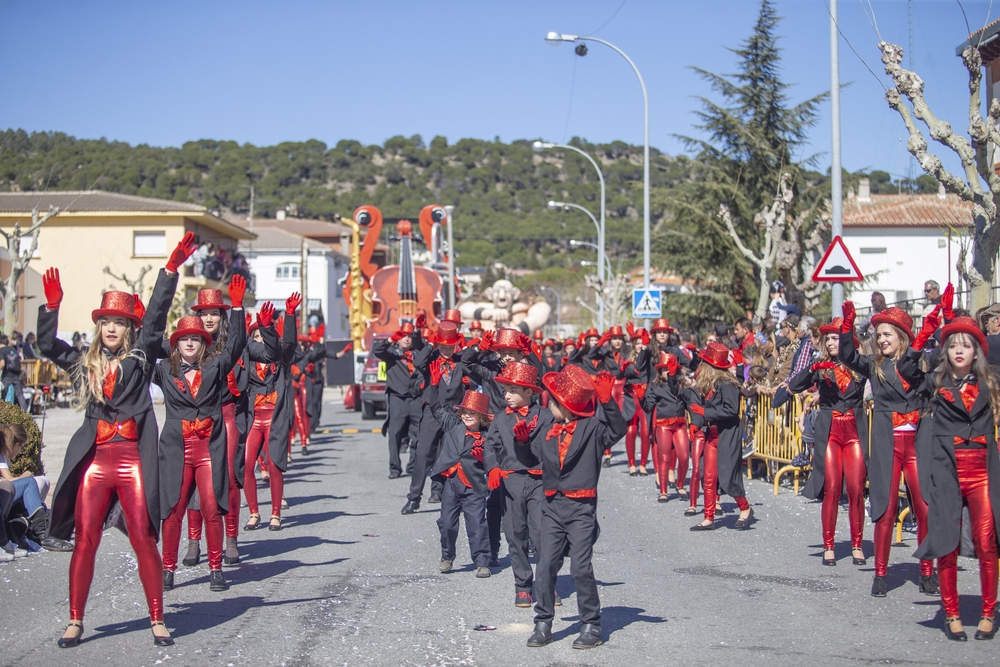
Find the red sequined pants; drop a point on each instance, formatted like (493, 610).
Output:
(639, 426)
(197, 473)
(844, 460)
(232, 519)
(257, 441)
(904, 461)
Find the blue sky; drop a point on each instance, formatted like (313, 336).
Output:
(266, 72)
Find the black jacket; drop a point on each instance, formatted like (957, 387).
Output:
(504, 452)
(667, 399)
(722, 410)
(399, 379)
(456, 446)
(276, 378)
(483, 367)
(452, 388)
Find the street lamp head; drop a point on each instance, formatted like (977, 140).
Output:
(555, 204)
(574, 242)
(555, 38)
(539, 146)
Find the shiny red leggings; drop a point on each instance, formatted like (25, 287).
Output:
(697, 438)
(197, 473)
(974, 481)
(257, 441)
(110, 469)
(672, 445)
(638, 426)
(844, 460)
(904, 461)
(712, 476)
(232, 519)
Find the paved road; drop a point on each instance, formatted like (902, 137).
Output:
(322, 592)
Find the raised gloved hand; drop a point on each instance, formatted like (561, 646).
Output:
(605, 337)
(420, 322)
(524, 344)
(292, 303)
(580, 339)
(672, 365)
(604, 383)
(639, 390)
(493, 478)
(630, 328)
(184, 249)
(397, 336)
(931, 323)
(279, 327)
(847, 326)
(486, 342)
(523, 429)
(53, 289)
(624, 365)
(347, 348)
(435, 370)
(823, 366)
(266, 315)
(140, 310)
(237, 288)
(948, 303)
(645, 337)
(310, 367)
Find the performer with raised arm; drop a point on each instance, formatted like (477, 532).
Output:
(402, 389)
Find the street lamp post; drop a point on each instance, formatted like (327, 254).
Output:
(558, 309)
(555, 38)
(600, 253)
(607, 262)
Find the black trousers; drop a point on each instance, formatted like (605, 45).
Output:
(428, 440)
(572, 523)
(494, 518)
(404, 416)
(522, 519)
(458, 499)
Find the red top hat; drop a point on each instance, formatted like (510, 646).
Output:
(569, 342)
(573, 389)
(834, 328)
(476, 324)
(549, 343)
(407, 328)
(117, 304)
(447, 334)
(666, 361)
(476, 402)
(302, 338)
(591, 333)
(897, 317)
(507, 339)
(426, 333)
(190, 325)
(452, 315)
(662, 324)
(520, 375)
(209, 298)
(965, 325)
(616, 332)
(538, 335)
(716, 354)
(637, 334)
(251, 324)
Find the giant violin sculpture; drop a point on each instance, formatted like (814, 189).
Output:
(402, 291)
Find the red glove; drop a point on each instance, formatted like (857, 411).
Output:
(420, 322)
(948, 303)
(639, 390)
(605, 337)
(249, 320)
(292, 303)
(486, 342)
(237, 288)
(630, 328)
(140, 310)
(347, 348)
(266, 315)
(396, 337)
(690, 347)
(672, 365)
(181, 253)
(474, 342)
(523, 429)
(604, 383)
(931, 323)
(524, 342)
(321, 332)
(493, 478)
(625, 365)
(435, 370)
(279, 327)
(645, 338)
(53, 290)
(692, 429)
(697, 409)
(823, 366)
(579, 340)
(849, 314)
(310, 367)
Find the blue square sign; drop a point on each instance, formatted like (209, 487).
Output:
(646, 303)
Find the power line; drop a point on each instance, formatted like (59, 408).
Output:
(605, 24)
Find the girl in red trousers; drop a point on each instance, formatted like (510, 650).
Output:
(212, 310)
(958, 462)
(840, 429)
(113, 456)
(892, 448)
(723, 438)
(632, 410)
(193, 440)
(270, 419)
(667, 402)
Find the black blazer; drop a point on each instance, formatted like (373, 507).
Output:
(722, 410)
(504, 452)
(277, 378)
(456, 446)
(667, 399)
(398, 378)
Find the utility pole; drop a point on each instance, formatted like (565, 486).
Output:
(304, 279)
(837, 186)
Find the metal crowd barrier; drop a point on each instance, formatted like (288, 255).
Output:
(776, 437)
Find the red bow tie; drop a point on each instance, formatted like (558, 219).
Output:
(558, 430)
(523, 410)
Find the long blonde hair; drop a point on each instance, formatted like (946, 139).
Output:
(879, 357)
(980, 368)
(824, 355)
(93, 366)
(709, 377)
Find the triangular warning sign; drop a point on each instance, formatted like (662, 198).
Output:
(837, 265)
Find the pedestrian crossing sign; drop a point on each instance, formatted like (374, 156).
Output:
(646, 303)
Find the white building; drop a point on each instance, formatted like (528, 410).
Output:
(275, 257)
(901, 241)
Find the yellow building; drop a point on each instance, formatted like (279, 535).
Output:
(100, 235)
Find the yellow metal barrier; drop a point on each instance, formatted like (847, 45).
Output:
(777, 438)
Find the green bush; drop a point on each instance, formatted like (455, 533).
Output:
(30, 457)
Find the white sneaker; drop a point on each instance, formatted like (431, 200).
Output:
(5, 557)
(13, 551)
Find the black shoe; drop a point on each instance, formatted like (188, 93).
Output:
(71, 642)
(410, 507)
(494, 560)
(274, 526)
(606, 463)
(168, 580)
(558, 600)
(395, 474)
(703, 526)
(542, 634)
(590, 636)
(929, 585)
(690, 511)
(959, 636)
(858, 561)
(829, 562)
(253, 523)
(743, 524)
(162, 641)
(217, 581)
(435, 499)
(55, 544)
(982, 634)
(523, 599)
(879, 589)
(193, 556)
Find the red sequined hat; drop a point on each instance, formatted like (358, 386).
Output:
(521, 375)
(209, 298)
(591, 333)
(190, 325)
(834, 328)
(476, 402)
(897, 317)
(662, 324)
(452, 315)
(407, 328)
(637, 334)
(616, 332)
(476, 325)
(573, 389)
(965, 325)
(666, 361)
(569, 342)
(716, 354)
(117, 304)
(538, 335)
(447, 334)
(507, 339)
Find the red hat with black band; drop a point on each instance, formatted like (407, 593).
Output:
(190, 325)
(475, 401)
(717, 355)
(520, 375)
(965, 325)
(573, 388)
(446, 334)
(208, 299)
(117, 304)
(897, 317)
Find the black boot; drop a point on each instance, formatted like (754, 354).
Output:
(168, 580)
(542, 634)
(38, 525)
(929, 585)
(217, 581)
(410, 507)
(590, 636)
(879, 589)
